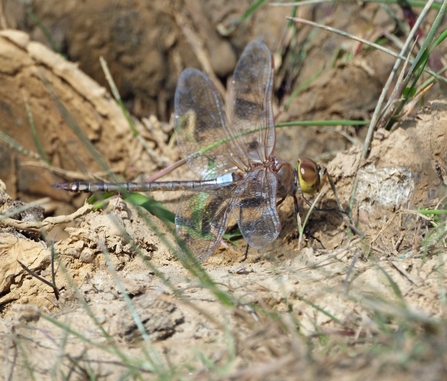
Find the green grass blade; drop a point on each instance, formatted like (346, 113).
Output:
(227, 29)
(152, 206)
(45, 31)
(431, 212)
(117, 96)
(302, 87)
(392, 283)
(322, 310)
(18, 147)
(36, 139)
(77, 130)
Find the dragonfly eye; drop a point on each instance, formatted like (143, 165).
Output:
(311, 175)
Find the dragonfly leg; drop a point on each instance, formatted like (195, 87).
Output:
(308, 235)
(280, 201)
(246, 254)
(298, 219)
(343, 213)
(322, 209)
(297, 210)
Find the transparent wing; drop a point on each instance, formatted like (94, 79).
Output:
(250, 104)
(255, 208)
(202, 218)
(201, 125)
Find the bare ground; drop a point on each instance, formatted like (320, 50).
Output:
(332, 294)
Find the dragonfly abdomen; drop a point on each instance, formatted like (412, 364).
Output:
(82, 186)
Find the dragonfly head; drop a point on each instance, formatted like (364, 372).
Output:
(311, 175)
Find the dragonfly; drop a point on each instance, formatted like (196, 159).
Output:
(232, 151)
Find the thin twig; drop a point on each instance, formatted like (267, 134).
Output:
(388, 111)
(166, 170)
(47, 223)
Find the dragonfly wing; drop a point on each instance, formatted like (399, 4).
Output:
(255, 208)
(250, 104)
(201, 124)
(202, 218)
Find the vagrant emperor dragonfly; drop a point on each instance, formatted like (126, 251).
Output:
(232, 152)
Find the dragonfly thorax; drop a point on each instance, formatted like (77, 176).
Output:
(285, 173)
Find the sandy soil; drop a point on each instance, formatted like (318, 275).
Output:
(146, 47)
